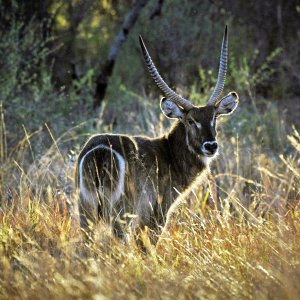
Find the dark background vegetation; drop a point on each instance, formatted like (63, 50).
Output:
(76, 66)
(53, 52)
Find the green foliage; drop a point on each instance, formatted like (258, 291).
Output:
(28, 93)
(246, 77)
(266, 128)
(39, 86)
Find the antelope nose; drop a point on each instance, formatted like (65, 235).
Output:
(210, 147)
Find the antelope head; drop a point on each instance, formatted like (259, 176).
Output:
(199, 122)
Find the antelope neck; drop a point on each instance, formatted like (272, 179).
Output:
(184, 161)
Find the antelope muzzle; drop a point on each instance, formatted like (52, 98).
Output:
(210, 148)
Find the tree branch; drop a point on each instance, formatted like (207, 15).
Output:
(107, 69)
(157, 11)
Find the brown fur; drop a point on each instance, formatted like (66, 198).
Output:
(156, 169)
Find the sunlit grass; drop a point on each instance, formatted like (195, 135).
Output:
(43, 255)
(248, 248)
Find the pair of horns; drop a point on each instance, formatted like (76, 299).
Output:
(184, 103)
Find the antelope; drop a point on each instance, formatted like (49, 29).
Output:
(131, 182)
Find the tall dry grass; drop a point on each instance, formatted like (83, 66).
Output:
(246, 246)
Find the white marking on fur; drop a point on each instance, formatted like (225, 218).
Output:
(212, 122)
(205, 159)
(208, 159)
(199, 126)
(87, 195)
(120, 186)
(188, 145)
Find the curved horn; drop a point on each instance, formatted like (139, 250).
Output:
(222, 71)
(187, 105)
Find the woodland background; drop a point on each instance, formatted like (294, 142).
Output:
(72, 68)
(58, 66)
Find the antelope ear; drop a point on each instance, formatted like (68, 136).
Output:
(227, 104)
(171, 109)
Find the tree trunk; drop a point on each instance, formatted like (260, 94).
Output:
(157, 10)
(107, 69)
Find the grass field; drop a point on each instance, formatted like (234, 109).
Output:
(247, 248)
(239, 237)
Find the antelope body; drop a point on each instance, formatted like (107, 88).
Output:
(134, 180)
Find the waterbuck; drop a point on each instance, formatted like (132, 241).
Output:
(132, 181)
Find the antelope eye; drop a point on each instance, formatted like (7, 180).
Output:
(191, 122)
